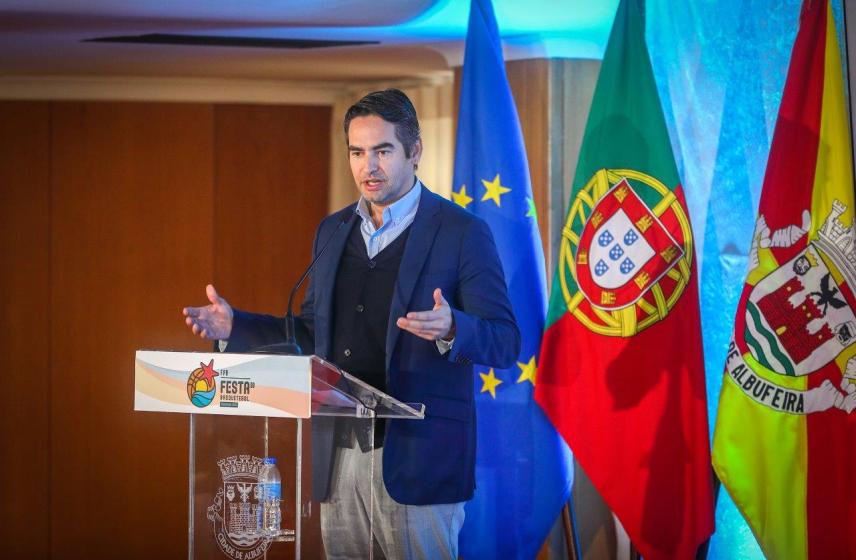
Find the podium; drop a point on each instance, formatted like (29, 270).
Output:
(243, 408)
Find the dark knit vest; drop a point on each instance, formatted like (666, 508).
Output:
(362, 299)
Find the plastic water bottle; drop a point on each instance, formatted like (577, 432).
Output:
(271, 494)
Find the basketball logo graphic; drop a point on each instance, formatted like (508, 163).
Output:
(201, 386)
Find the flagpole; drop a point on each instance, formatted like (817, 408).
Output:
(569, 524)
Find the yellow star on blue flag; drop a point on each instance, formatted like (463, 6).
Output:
(494, 190)
(527, 371)
(490, 382)
(461, 198)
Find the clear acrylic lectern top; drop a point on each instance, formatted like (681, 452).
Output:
(338, 393)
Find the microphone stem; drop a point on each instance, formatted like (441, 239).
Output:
(290, 334)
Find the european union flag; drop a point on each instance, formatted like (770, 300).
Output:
(523, 467)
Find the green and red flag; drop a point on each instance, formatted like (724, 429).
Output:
(785, 438)
(622, 371)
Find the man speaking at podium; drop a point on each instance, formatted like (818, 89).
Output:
(407, 297)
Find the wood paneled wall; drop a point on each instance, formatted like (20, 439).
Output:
(113, 216)
(290, 155)
(530, 86)
(25, 328)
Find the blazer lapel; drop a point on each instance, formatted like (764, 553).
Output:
(324, 279)
(419, 241)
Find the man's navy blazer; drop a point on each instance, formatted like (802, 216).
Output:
(430, 461)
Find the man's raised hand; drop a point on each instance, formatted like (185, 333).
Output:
(431, 325)
(212, 321)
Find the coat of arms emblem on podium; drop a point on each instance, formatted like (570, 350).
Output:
(237, 507)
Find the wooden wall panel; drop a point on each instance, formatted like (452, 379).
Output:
(272, 166)
(572, 83)
(25, 327)
(132, 243)
(112, 217)
(529, 81)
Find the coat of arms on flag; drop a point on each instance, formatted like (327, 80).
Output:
(799, 318)
(632, 259)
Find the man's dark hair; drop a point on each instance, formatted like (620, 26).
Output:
(393, 106)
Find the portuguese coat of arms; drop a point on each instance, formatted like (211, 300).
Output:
(626, 253)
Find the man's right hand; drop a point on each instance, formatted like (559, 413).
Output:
(213, 321)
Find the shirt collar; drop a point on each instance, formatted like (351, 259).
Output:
(396, 211)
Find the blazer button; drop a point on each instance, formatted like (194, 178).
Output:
(347, 352)
(372, 264)
(360, 308)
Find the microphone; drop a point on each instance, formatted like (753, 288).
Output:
(290, 346)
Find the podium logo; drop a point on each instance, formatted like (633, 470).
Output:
(201, 386)
(236, 510)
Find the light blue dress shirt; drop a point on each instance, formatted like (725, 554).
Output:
(396, 218)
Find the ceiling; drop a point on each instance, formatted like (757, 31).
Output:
(416, 38)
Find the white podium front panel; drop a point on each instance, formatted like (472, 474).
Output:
(221, 383)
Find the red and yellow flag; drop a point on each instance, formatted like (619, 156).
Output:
(785, 439)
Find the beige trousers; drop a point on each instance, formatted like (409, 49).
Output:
(360, 507)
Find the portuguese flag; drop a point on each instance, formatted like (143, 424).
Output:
(785, 439)
(621, 373)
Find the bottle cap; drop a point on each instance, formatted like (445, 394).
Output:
(270, 460)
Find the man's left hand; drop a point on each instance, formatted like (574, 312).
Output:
(431, 325)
